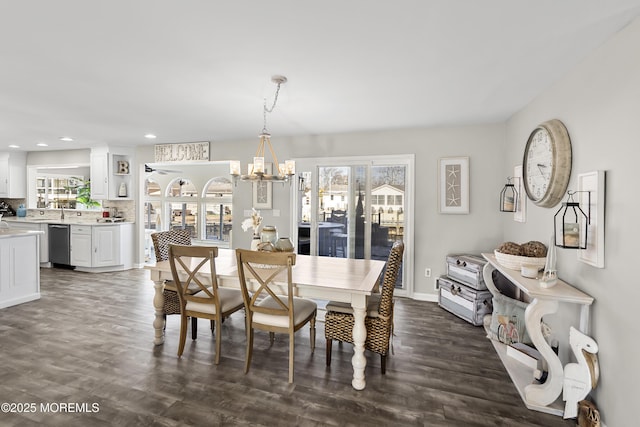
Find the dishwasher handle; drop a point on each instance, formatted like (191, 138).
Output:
(58, 226)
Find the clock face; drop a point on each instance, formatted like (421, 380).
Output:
(547, 163)
(539, 164)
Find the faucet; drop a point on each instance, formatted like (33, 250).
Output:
(61, 212)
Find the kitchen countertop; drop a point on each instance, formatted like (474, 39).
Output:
(72, 220)
(6, 233)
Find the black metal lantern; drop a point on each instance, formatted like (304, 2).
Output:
(571, 224)
(509, 197)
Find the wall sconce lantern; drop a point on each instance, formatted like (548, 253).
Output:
(509, 197)
(571, 224)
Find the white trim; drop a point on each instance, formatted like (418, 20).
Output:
(425, 297)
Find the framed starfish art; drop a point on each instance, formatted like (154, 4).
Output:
(453, 185)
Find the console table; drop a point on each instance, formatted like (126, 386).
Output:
(539, 397)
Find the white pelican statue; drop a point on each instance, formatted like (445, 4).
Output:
(581, 377)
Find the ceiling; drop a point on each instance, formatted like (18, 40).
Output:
(109, 72)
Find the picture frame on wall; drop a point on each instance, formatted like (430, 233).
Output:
(263, 191)
(520, 215)
(591, 195)
(453, 185)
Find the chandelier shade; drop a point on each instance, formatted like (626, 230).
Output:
(258, 170)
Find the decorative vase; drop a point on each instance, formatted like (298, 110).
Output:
(122, 190)
(255, 242)
(550, 274)
(21, 211)
(269, 234)
(284, 245)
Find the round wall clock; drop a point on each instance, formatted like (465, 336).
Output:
(547, 163)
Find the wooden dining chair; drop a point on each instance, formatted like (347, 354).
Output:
(378, 321)
(161, 241)
(272, 306)
(195, 265)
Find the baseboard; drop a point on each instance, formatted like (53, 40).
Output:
(425, 297)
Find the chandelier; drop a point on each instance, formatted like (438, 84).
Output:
(258, 170)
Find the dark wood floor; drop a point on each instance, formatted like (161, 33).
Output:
(90, 340)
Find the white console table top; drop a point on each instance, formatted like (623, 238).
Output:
(562, 291)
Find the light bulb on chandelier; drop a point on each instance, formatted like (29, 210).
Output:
(257, 170)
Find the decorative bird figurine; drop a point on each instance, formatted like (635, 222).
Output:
(581, 377)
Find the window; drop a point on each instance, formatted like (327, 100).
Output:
(183, 214)
(194, 197)
(377, 199)
(371, 191)
(218, 207)
(63, 191)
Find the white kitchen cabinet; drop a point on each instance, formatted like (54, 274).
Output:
(106, 246)
(111, 174)
(98, 248)
(98, 174)
(44, 237)
(81, 247)
(19, 267)
(13, 175)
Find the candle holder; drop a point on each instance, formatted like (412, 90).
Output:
(509, 197)
(550, 274)
(571, 224)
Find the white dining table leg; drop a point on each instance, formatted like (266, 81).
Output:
(359, 362)
(158, 304)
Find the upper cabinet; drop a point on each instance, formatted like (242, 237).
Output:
(13, 175)
(111, 173)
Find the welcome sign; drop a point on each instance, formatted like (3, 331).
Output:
(182, 152)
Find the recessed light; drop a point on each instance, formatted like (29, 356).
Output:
(42, 144)
(14, 146)
(66, 139)
(150, 136)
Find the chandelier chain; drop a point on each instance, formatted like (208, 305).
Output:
(269, 110)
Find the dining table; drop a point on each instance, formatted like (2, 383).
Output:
(316, 277)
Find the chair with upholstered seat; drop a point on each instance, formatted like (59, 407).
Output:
(269, 309)
(339, 318)
(161, 241)
(195, 265)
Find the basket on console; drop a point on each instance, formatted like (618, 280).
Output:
(514, 262)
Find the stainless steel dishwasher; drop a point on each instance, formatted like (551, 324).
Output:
(59, 237)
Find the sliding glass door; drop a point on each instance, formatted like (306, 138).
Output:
(352, 208)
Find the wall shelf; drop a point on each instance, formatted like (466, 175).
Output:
(107, 176)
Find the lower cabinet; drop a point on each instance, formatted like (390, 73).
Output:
(19, 269)
(44, 237)
(81, 247)
(102, 247)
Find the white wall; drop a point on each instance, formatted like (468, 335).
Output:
(599, 102)
(436, 235)
(64, 157)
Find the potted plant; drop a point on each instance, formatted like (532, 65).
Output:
(83, 193)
